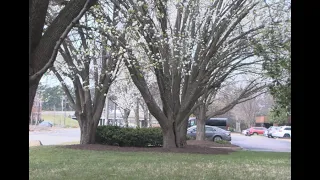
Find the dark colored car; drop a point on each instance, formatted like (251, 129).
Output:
(256, 130)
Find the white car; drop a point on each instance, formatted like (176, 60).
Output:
(284, 131)
(245, 132)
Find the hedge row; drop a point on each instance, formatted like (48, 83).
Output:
(137, 137)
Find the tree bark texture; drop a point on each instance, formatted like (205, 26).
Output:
(136, 113)
(201, 122)
(88, 127)
(126, 113)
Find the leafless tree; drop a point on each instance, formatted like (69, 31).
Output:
(247, 111)
(227, 97)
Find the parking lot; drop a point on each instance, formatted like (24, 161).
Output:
(261, 143)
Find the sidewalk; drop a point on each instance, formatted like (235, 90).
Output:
(281, 139)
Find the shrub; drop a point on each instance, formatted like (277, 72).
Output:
(222, 142)
(138, 137)
(190, 138)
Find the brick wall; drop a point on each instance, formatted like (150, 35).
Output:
(261, 119)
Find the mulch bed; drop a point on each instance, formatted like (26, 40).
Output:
(195, 147)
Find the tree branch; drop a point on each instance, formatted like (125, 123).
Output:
(49, 64)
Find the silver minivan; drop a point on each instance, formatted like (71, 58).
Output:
(217, 122)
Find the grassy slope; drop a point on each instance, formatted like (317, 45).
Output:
(58, 163)
(59, 120)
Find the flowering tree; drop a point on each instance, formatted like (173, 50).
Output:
(92, 63)
(125, 94)
(188, 44)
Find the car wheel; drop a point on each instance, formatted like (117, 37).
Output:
(286, 135)
(217, 138)
(255, 134)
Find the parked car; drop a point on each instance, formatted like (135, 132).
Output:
(245, 132)
(271, 130)
(217, 122)
(211, 132)
(46, 124)
(284, 131)
(256, 130)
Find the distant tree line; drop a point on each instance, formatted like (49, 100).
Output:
(51, 98)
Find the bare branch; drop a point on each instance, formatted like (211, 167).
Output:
(49, 64)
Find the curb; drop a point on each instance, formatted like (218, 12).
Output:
(232, 148)
(289, 140)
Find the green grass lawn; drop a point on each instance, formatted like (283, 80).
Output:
(49, 162)
(59, 120)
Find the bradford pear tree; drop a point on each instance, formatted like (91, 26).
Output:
(189, 44)
(45, 38)
(221, 100)
(92, 63)
(125, 94)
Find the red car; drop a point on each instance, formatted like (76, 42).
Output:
(256, 130)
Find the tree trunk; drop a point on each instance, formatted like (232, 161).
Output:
(174, 136)
(32, 94)
(126, 113)
(136, 113)
(88, 129)
(169, 138)
(150, 119)
(201, 121)
(183, 133)
(144, 123)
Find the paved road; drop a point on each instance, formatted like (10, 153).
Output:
(253, 143)
(260, 143)
(56, 137)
